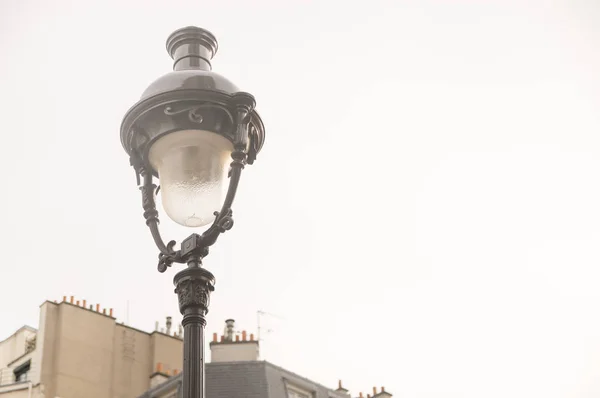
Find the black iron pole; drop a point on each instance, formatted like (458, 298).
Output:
(193, 286)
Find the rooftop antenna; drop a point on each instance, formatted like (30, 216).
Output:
(260, 314)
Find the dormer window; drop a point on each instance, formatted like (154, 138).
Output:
(22, 372)
(295, 392)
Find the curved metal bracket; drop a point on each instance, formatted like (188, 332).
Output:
(195, 247)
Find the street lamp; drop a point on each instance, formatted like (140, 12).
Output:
(192, 129)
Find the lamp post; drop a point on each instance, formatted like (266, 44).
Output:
(192, 129)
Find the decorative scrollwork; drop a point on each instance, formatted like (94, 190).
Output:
(193, 112)
(166, 260)
(195, 247)
(225, 222)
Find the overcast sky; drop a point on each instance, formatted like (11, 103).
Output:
(424, 215)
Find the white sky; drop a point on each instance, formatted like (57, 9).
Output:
(425, 213)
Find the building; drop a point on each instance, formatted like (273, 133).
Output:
(81, 351)
(235, 371)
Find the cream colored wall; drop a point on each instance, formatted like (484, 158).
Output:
(14, 346)
(11, 349)
(47, 346)
(83, 353)
(234, 351)
(168, 351)
(131, 362)
(87, 354)
(21, 391)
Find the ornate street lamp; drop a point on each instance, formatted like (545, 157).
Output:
(192, 129)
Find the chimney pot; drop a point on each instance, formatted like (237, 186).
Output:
(368, 395)
(382, 389)
(374, 390)
(168, 324)
(243, 335)
(237, 337)
(97, 307)
(360, 395)
(176, 372)
(159, 367)
(339, 384)
(104, 311)
(229, 329)
(222, 338)
(91, 307)
(168, 372)
(110, 312)
(77, 303)
(72, 299)
(84, 303)
(251, 336)
(215, 338)
(64, 298)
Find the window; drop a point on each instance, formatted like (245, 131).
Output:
(294, 392)
(297, 394)
(22, 372)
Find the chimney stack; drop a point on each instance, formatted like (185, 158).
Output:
(233, 349)
(341, 388)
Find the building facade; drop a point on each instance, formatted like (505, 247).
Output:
(80, 351)
(235, 371)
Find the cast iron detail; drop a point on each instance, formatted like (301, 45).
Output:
(193, 111)
(195, 293)
(177, 110)
(193, 114)
(192, 97)
(195, 247)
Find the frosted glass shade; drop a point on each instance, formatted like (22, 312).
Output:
(192, 168)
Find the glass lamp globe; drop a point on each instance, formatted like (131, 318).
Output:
(192, 168)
